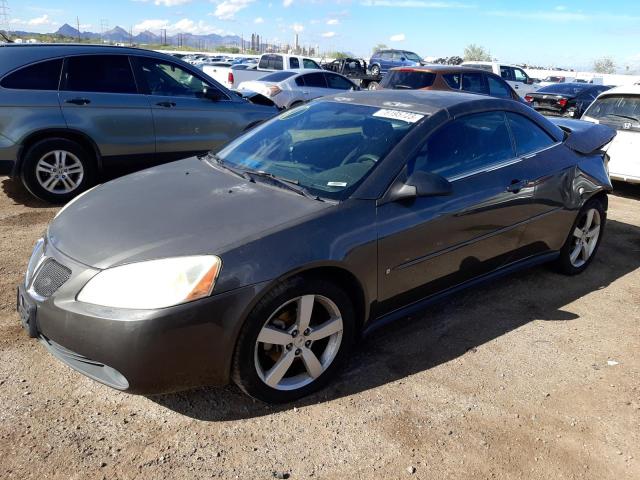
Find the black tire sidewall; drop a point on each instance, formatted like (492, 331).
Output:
(243, 368)
(563, 263)
(38, 150)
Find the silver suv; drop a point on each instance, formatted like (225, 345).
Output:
(70, 112)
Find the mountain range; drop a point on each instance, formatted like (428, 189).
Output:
(120, 35)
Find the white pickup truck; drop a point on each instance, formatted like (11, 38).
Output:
(233, 76)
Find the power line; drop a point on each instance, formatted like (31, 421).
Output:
(4, 15)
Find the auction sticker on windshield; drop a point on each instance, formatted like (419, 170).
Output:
(408, 117)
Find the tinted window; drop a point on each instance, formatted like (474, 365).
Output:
(300, 81)
(307, 63)
(528, 136)
(467, 145)
(507, 74)
(386, 55)
(168, 79)
(410, 80)
(315, 80)
(99, 73)
(474, 83)
(277, 63)
(453, 80)
(497, 88)
(412, 57)
(41, 76)
(294, 63)
(481, 66)
(337, 82)
(277, 76)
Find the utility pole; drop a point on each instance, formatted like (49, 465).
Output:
(78, 27)
(4, 15)
(104, 26)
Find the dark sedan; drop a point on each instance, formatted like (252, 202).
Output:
(262, 264)
(564, 99)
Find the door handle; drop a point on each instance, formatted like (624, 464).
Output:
(166, 104)
(305, 92)
(79, 101)
(517, 185)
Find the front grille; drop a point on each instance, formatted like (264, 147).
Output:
(50, 278)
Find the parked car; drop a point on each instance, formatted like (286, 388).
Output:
(269, 62)
(69, 112)
(263, 262)
(383, 60)
(291, 88)
(356, 71)
(512, 74)
(445, 77)
(619, 108)
(564, 99)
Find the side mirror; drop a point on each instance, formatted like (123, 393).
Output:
(420, 184)
(529, 81)
(402, 59)
(212, 94)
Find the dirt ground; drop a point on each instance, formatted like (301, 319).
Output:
(536, 376)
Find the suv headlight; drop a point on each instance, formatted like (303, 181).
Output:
(154, 283)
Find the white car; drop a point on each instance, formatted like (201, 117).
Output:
(290, 88)
(619, 108)
(512, 74)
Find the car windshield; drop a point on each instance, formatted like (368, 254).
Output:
(616, 109)
(277, 76)
(327, 148)
(564, 89)
(412, 57)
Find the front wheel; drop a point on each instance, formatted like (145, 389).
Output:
(294, 340)
(375, 70)
(584, 239)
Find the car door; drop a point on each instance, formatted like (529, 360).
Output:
(522, 83)
(315, 86)
(99, 96)
(186, 121)
(337, 83)
(508, 75)
(433, 243)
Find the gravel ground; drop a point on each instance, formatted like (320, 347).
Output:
(534, 376)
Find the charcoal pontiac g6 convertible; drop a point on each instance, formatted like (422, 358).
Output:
(262, 263)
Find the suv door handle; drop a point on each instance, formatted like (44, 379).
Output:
(517, 185)
(166, 104)
(79, 101)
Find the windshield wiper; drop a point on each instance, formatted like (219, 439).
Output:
(289, 184)
(622, 116)
(220, 162)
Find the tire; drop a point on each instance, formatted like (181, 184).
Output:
(255, 361)
(582, 244)
(372, 86)
(76, 170)
(375, 70)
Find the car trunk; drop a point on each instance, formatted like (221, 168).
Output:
(548, 103)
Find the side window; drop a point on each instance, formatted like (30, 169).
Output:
(170, 80)
(466, 145)
(100, 74)
(337, 82)
(308, 63)
(266, 61)
(385, 55)
(529, 137)
(41, 76)
(315, 80)
(497, 88)
(453, 80)
(474, 82)
(300, 81)
(294, 63)
(519, 75)
(277, 63)
(507, 73)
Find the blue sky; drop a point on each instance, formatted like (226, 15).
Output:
(564, 33)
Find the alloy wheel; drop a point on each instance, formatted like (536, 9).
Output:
(585, 238)
(59, 172)
(298, 342)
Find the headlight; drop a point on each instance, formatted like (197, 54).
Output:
(154, 283)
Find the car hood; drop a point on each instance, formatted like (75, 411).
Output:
(183, 208)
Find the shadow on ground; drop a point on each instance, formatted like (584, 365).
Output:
(442, 332)
(626, 190)
(16, 191)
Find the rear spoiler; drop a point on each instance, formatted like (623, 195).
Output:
(584, 137)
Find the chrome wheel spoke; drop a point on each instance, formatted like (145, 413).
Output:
(274, 336)
(43, 168)
(575, 253)
(327, 329)
(51, 182)
(594, 232)
(74, 169)
(590, 215)
(305, 309)
(584, 249)
(68, 183)
(577, 232)
(278, 371)
(311, 363)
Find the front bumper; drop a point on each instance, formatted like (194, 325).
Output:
(141, 351)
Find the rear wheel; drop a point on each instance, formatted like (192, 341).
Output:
(584, 239)
(294, 340)
(57, 169)
(372, 86)
(375, 70)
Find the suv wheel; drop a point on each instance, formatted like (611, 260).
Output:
(375, 70)
(56, 170)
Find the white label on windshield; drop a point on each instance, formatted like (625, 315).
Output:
(336, 184)
(408, 117)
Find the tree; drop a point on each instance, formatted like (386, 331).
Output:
(338, 55)
(379, 46)
(475, 52)
(604, 65)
